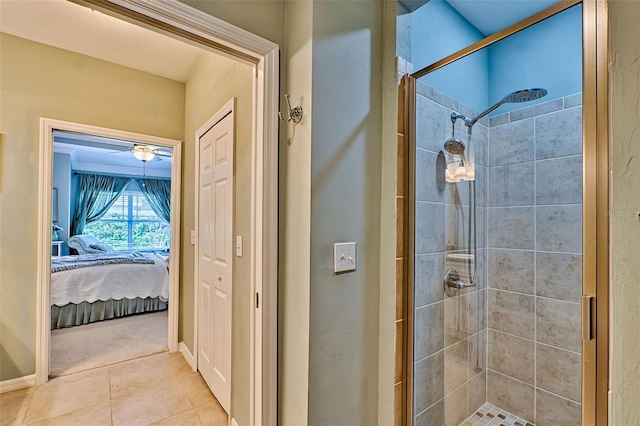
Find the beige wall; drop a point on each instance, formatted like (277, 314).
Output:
(213, 83)
(261, 17)
(346, 161)
(625, 223)
(331, 177)
(41, 81)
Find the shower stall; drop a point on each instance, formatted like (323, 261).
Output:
(494, 242)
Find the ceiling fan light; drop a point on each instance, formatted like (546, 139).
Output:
(144, 155)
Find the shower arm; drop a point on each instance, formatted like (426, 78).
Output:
(469, 122)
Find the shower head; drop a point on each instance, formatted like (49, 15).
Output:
(454, 146)
(524, 95)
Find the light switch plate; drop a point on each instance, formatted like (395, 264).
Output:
(239, 245)
(344, 257)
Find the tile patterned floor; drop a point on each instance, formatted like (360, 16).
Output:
(490, 415)
(159, 389)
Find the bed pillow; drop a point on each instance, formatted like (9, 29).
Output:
(82, 244)
(102, 247)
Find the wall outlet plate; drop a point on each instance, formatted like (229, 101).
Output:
(344, 257)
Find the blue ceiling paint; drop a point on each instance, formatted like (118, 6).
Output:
(491, 16)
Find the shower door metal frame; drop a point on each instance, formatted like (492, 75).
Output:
(595, 233)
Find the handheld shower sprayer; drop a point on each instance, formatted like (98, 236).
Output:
(455, 146)
(453, 281)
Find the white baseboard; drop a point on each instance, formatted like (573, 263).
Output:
(233, 422)
(17, 383)
(188, 356)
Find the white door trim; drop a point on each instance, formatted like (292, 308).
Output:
(168, 15)
(43, 316)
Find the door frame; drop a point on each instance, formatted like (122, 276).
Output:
(43, 312)
(197, 27)
(226, 109)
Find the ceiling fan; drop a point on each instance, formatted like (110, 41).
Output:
(146, 153)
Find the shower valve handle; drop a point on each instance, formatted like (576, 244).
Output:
(453, 283)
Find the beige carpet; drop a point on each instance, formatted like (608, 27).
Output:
(103, 343)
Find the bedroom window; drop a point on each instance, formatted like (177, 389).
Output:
(131, 224)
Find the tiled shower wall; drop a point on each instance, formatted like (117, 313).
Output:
(516, 343)
(535, 264)
(450, 332)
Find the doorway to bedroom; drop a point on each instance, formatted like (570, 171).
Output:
(111, 236)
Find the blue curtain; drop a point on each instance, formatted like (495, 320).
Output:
(97, 193)
(158, 194)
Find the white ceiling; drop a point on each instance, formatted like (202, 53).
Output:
(491, 16)
(69, 26)
(104, 155)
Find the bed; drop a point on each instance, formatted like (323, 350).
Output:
(106, 284)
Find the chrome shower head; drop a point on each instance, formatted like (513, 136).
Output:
(524, 95)
(454, 146)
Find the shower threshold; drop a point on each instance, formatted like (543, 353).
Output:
(490, 415)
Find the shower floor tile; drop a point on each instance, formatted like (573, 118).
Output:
(490, 415)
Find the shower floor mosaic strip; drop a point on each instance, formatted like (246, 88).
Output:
(490, 415)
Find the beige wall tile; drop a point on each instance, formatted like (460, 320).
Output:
(477, 353)
(429, 271)
(455, 407)
(456, 360)
(559, 228)
(511, 143)
(428, 330)
(559, 275)
(511, 185)
(512, 356)
(511, 227)
(559, 371)
(477, 304)
(431, 417)
(559, 134)
(430, 234)
(559, 323)
(552, 410)
(476, 392)
(432, 128)
(511, 270)
(512, 313)
(511, 395)
(456, 319)
(559, 181)
(428, 382)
